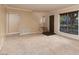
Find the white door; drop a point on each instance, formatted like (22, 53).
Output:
(13, 22)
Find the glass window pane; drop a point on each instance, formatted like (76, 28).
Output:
(69, 22)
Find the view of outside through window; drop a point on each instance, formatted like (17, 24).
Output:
(69, 22)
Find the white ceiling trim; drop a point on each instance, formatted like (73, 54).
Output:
(39, 7)
(27, 10)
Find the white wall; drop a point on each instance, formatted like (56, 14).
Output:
(29, 21)
(57, 20)
(38, 16)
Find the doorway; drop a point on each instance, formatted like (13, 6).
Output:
(12, 23)
(51, 26)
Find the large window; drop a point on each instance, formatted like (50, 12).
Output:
(69, 22)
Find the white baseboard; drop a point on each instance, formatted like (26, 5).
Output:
(23, 33)
(12, 33)
(30, 33)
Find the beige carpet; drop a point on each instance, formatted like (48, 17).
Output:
(39, 44)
